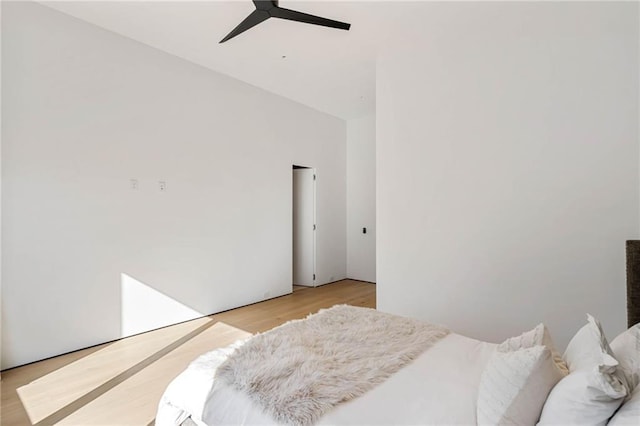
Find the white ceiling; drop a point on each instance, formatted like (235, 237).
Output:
(327, 69)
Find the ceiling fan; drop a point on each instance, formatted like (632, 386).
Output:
(266, 9)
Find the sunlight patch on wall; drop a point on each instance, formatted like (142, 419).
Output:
(144, 308)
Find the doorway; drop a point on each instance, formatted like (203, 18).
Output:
(304, 226)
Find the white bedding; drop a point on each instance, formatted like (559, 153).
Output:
(439, 387)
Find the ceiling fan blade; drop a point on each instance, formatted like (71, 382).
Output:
(265, 4)
(252, 20)
(292, 15)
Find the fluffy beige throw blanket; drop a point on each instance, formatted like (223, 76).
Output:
(300, 370)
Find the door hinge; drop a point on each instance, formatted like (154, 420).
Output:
(314, 277)
(314, 177)
(314, 226)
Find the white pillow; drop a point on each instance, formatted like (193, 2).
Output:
(514, 386)
(538, 336)
(592, 391)
(626, 349)
(518, 377)
(629, 413)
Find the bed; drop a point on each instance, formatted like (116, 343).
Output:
(427, 395)
(441, 378)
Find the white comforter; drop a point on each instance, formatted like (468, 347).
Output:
(438, 387)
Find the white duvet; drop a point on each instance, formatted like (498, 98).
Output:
(439, 387)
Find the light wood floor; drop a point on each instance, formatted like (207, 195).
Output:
(120, 383)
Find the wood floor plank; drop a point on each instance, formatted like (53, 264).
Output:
(146, 387)
(44, 396)
(120, 383)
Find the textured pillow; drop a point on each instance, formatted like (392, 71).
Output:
(593, 390)
(539, 336)
(629, 413)
(626, 350)
(514, 386)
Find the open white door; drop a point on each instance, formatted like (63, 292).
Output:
(304, 216)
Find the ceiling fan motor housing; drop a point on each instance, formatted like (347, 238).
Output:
(266, 9)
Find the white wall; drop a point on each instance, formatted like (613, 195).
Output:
(507, 166)
(361, 198)
(85, 111)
